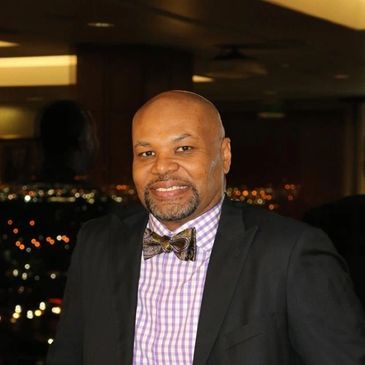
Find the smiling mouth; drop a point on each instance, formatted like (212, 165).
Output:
(171, 188)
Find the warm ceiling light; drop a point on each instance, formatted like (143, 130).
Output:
(38, 61)
(199, 78)
(38, 71)
(8, 44)
(341, 76)
(270, 92)
(10, 136)
(350, 13)
(100, 24)
(271, 115)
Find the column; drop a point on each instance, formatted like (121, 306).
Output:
(112, 82)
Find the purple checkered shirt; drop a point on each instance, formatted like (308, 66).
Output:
(169, 297)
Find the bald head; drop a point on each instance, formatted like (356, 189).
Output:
(185, 100)
(180, 156)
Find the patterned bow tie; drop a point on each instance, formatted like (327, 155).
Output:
(182, 244)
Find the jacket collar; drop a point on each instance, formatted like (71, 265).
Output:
(230, 250)
(126, 238)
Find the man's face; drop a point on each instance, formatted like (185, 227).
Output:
(180, 159)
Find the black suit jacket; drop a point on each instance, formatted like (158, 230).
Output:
(276, 292)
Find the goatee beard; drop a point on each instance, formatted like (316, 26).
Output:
(173, 211)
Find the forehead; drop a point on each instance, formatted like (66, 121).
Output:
(170, 117)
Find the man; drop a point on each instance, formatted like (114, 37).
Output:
(249, 288)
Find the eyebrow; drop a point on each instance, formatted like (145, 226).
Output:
(183, 136)
(176, 139)
(142, 144)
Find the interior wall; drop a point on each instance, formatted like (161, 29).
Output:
(305, 147)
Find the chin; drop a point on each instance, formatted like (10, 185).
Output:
(172, 211)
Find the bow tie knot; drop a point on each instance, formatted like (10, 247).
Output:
(182, 244)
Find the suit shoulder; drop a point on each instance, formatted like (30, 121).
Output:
(278, 236)
(270, 221)
(118, 216)
(123, 212)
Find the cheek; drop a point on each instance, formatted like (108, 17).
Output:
(138, 175)
(139, 182)
(213, 167)
(205, 174)
(214, 175)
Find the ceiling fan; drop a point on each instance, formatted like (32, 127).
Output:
(232, 63)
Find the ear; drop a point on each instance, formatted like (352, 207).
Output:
(226, 154)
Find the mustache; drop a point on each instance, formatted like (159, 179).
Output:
(162, 178)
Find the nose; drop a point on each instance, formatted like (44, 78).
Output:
(164, 165)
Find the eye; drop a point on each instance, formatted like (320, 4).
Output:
(184, 148)
(146, 154)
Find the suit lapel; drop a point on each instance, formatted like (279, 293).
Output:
(126, 249)
(228, 256)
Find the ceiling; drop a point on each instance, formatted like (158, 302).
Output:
(301, 54)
